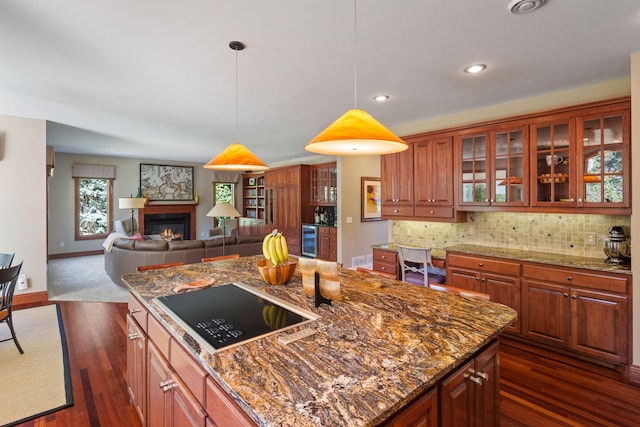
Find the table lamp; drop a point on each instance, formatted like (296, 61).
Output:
(131, 203)
(224, 210)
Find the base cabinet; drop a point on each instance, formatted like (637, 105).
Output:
(577, 310)
(422, 413)
(470, 397)
(137, 367)
(328, 243)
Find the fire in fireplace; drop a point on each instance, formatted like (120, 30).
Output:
(170, 226)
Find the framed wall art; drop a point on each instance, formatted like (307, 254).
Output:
(371, 198)
(166, 183)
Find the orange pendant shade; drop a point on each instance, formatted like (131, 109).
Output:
(236, 157)
(356, 133)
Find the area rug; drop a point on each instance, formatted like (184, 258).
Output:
(37, 382)
(82, 279)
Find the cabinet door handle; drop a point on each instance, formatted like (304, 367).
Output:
(565, 295)
(383, 257)
(483, 280)
(135, 310)
(167, 385)
(580, 200)
(431, 212)
(475, 380)
(573, 297)
(480, 264)
(483, 375)
(395, 211)
(569, 278)
(134, 336)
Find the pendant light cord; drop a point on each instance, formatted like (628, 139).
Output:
(355, 54)
(236, 94)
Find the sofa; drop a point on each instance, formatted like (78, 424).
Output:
(127, 254)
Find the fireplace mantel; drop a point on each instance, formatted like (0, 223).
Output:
(168, 209)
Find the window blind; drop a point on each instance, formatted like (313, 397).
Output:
(93, 171)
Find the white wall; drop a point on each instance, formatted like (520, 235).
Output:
(356, 238)
(23, 196)
(635, 195)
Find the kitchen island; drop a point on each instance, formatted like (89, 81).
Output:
(374, 353)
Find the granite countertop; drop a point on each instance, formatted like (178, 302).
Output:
(435, 252)
(384, 344)
(543, 257)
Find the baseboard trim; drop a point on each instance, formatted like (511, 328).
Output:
(634, 374)
(30, 298)
(75, 254)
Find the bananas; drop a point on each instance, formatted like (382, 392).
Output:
(274, 316)
(275, 249)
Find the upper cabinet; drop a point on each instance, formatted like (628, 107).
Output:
(396, 172)
(253, 195)
(583, 161)
(324, 184)
(493, 166)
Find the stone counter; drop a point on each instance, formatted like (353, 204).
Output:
(384, 344)
(436, 253)
(542, 257)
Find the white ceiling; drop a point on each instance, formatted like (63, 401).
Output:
(155, 79)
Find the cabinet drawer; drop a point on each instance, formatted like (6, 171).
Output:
(190, 372)
(385, 267)
(323, 231)
(575, 277)
(385, 256)
(397, 211)
(479, 263)
(434, 212)
(138, 311)
(222, 410)
(159, 335)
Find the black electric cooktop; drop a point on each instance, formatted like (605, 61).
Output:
(223, 316)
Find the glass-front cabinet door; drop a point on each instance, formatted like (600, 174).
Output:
(553, 163)
(603, 160)
(510, 167)
(474, 157)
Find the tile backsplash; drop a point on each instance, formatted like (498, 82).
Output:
(569, 234)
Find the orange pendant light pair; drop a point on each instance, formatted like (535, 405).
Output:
(356, 132)
(236, 157)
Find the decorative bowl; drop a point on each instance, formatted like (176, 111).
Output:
(276, 274)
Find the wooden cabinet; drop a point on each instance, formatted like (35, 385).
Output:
(324, 184)
(582, 159)
(421, 413)
(498, 278)
(137, 367)
(583, 311)
(493, 166)
(396, 171)
(386, 261)
(328, 243)
(469, 397)
(286, 203)
(253, 196)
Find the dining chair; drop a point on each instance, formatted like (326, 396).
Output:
(8, 280)
(5, 260)
(415, 264)
(221, 257)
(157, 266)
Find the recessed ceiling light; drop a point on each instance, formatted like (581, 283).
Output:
(380, 98)
(476, 68)
(518, 7)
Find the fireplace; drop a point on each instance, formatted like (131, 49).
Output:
(175, 219)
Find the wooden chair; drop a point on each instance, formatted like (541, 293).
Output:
(414, 266)
(376, 273)
(460, 291)
(156, 266)
(8, 280)
(221, 257)
(6, 260)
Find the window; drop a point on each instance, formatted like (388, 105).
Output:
(223, 192)
(93, 208)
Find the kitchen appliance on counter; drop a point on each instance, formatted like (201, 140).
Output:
(617, 247)
(225, 316)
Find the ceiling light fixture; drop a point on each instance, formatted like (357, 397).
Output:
(475, 68)
(356, 132)
(381, 98)
(236, 157)
(518, 7)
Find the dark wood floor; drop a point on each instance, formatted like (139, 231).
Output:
(537, 387)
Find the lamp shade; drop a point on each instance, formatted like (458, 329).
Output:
(131, 203)
(236, 157)
(224, 209)
(356, 133)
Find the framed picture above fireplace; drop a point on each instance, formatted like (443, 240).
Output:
(165, 182)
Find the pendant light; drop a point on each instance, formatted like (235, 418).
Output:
(236, 157)
(356, 132)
